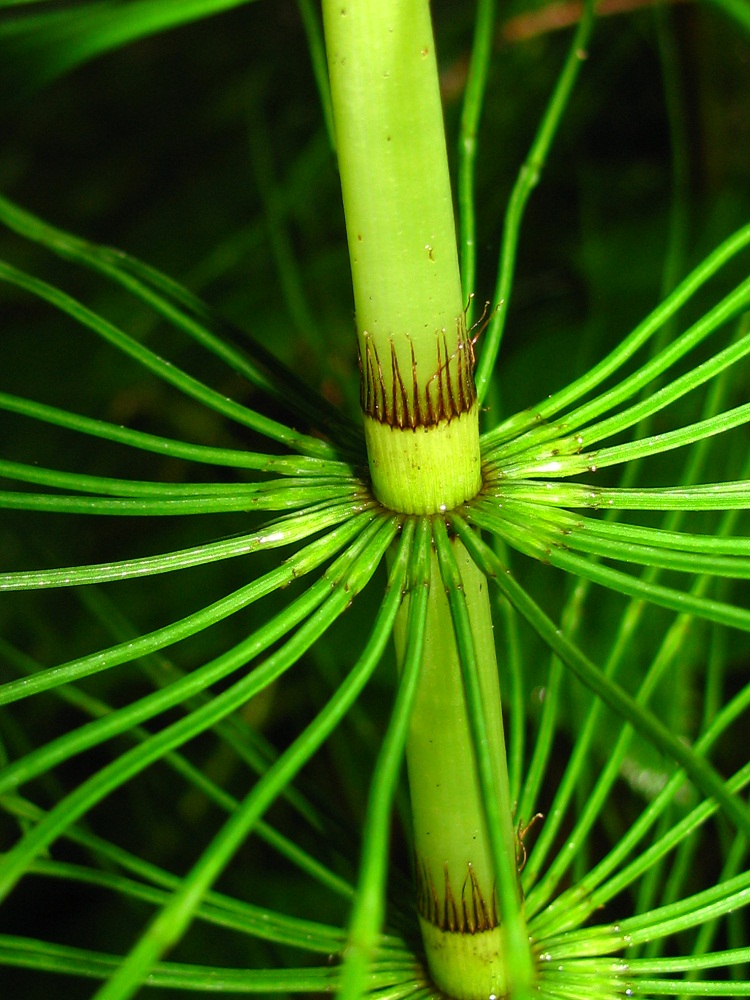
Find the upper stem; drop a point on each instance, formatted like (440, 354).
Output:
(416, 358)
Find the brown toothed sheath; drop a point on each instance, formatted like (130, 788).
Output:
(422, 430)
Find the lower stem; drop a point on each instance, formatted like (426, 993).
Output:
(459, 906)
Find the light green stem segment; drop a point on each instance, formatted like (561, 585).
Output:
(416, 357)
(456, 880)
(428, 469)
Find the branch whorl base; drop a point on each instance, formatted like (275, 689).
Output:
(391, 398)
(422, 437)
(463, 935)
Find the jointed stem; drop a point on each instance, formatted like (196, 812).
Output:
(421, 427)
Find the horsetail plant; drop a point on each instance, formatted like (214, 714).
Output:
(532, 872)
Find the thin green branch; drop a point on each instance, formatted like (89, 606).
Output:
(522, 536)
(527, 180)
(41, 46)
(353, 499)
(513, 662)
(724, 556)
(676, 917)
(538, 415)
(240, 916)
(247, 744)
(599, 884)
(696, 768)
(164, 370)
(66, 746)
(298, 465)
(677, 963)
(176, 916)
(371, 547)
(42, 956)
(471, 111)
(492, 775)
(366, 921)
(308, 559)
(552, 462)
(635, 535)
(284, 531)
(670, 649)
(710, 496)
(194, 317)
(570, 435)
(144, 873)
(108, 486)
(316, 47)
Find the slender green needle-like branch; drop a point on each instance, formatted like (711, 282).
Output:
(168, 372)
(696, 767)
(366, 922)
(173, 920)
(471, 110)
(537, 415)
(284, 531)
(130, 649)
(299, 465)
(528, 178)
(372, 546)
(178, 693)
(186, 312)
(82, 483)
(710, 496)
(217, 909)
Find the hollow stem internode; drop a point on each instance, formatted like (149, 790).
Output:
(418, 398)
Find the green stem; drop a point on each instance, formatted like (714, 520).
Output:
(418, 398)
(421, 427)
(464, 852)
